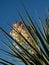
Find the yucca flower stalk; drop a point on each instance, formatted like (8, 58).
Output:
(24, 42)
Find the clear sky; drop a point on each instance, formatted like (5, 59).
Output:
(8, 11)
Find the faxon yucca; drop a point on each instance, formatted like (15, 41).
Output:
(24, 42)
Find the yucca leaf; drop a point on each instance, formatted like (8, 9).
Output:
(3, 63)
(31, 23)
(28, 30)
(26, 41)
(27, 53)
(6, 62)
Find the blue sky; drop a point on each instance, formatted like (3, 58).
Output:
(8, 11)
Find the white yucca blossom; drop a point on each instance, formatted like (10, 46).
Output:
(20, 27)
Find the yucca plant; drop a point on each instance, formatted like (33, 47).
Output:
(24, 42)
